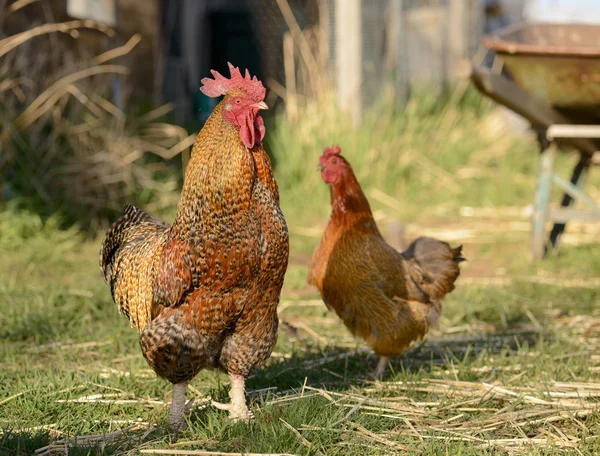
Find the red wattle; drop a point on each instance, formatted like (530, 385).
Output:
(247, 132)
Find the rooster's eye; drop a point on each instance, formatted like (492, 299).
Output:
(238, 101)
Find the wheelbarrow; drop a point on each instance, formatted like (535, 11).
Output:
(554, 83)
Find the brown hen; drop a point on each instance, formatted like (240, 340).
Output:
(387, 298)
(203, 292)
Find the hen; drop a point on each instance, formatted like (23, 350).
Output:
(387, 298)
(203, 292)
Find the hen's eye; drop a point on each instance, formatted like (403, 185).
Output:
(334, 161)
(238, 101)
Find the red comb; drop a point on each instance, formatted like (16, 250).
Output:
(220, 85)
(333, 150)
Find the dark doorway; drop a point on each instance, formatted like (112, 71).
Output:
(233, 40)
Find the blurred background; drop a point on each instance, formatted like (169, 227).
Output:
(100, 105)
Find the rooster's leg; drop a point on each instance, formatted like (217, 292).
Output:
(237, 408)
(381, 366)
(176, 421)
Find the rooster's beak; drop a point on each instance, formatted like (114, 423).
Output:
(263, 105)
(320, 167)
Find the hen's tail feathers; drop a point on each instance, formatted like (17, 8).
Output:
(433, 266)
(116, 235)
(457, 252)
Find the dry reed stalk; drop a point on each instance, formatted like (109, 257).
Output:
(106, 399)
(14, 41)
(308, 232)
(364, 431)
(18, 4)
(314, 74)
(297, 434)
(65, 390)
(107, 372)
(47, 99)
(120, 51)
(291, 103)
(289, 398)
(206, 453)
(195, 442)
(283, 305)
(69, 346)
(311, 332)
(84, 440)
(91, 148)
(14, 396)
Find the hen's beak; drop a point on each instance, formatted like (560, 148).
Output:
(263, 105)
(320, 167)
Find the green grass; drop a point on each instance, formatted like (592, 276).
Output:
(527, 329)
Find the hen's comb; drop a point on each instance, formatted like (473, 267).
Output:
(329, 151)
(220, 85)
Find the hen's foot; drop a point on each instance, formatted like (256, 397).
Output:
(239, 413)
(381, 367)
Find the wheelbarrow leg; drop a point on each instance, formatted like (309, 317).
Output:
(577, 178)
(542, 198)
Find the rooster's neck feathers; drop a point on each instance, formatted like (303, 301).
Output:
(220, 175)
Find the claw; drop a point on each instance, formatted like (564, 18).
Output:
(245, 416)
(221, 406)
(236, 413)
(189, 404)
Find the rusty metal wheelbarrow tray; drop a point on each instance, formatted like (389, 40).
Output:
(558, 63)
(538, 112)
(556, 73)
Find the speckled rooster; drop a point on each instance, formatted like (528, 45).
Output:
(203, 292)
(389, 299)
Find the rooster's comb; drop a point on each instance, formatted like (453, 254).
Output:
(220, 85)
(329, 151)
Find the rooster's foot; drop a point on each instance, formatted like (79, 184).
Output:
(178, 406)
(189, 404)
(177, 425)
(237, 408)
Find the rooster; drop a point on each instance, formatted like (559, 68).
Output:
(203, 291)
(387, 298)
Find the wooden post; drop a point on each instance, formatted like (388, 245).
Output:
(348, 37)
(542, 198)
(577, 179)
(457, 35)
(396, 59)
(289, 65)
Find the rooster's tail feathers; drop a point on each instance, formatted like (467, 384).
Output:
(116, 234)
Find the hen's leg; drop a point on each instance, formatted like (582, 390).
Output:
(381, 366)
(237, 408)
